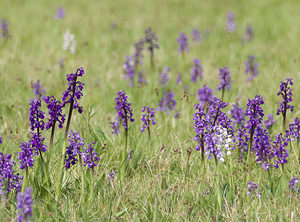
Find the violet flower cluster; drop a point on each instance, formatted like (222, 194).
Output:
(196, 36)
(205, 96)
(115, 125)
(151, 39)
(60, 13)
(280, 149)
(293, 184)
(38, 89)
(26, 155)
(255, 111)
(9, 179)
(129, 69)
(200, 125)
(240, 137)
(36, 116)
(294, 129)
(251, 67)
(287, 97)
(130, 66)
(130, 155)
(183, 43)
(213, 130)
(35, 146)
(55, 112)
(91, 157)
(74, 90)
(37, 143)
(76, 147)
(224, 76)
(263, 148)
(237, 114)
(138, 54)
(240, 140)
(270, 121)
(148, 117)
(179, 79)
(196, 71)
(248, 36)
(255, 114)
(216, 117)
(230, 22)
(5, 30)
(24, 205)
(124, 111)
(203, 136)
(164, 78)
(253, 190)
(111, 177)
(167, 102)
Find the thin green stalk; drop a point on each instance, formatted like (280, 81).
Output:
(218, 184)
(247, 181)
(270, 181)
(284, 113)
(239, 153)
(293, 149)
(126, 142)
(283, 177)
(203, 165)
(283, 123)
(183, 58)
(26, 179)
(229, 171)
(148, 128)
(52, 134)
(92, 187)
(148, 123)
(152, 61)
(45, 175)
(249, 150)
(50, 146)
(298, 149)
(61, 168)
(82, 179)
(123, 161)
(202, 154)
(251, 140)
(260, 174)
(187, 173)
(60, 173)
(70, 112)
(43, 171)
(223, 92)
(41, 155)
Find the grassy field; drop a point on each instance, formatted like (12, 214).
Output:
(156, 186)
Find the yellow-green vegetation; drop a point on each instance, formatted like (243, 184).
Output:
(156, 186)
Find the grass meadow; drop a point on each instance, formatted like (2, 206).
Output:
(164, 180)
